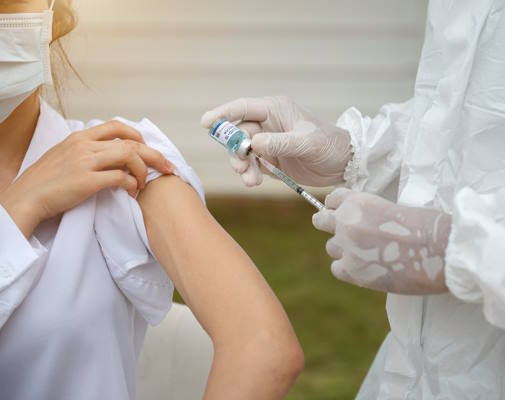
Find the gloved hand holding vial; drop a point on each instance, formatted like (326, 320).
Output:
(239, 145)
(311, 151)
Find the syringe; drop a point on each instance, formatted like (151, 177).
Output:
(290, 182)
(239, 144)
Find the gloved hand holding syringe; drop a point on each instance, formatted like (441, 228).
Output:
(239, 144)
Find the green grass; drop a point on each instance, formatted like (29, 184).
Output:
(339, 326)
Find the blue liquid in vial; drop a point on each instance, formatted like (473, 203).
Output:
(228, 135)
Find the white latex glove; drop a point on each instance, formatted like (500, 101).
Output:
(311, 151)
(384, 246)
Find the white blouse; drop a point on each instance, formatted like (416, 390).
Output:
(75, 298)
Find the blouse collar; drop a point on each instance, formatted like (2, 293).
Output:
(51, 129)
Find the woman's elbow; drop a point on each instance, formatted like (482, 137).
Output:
(282, 356)
(295, 359)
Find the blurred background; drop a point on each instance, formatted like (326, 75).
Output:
(172, 60)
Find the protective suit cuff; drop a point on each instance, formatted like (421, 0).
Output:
(458, 278)
(352, 122)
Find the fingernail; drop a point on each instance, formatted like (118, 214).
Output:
(169, 167)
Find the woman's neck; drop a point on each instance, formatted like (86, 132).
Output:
(15, 135)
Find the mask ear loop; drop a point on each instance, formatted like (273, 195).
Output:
(47, 34)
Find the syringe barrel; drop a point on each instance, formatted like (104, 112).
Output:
(312, 200)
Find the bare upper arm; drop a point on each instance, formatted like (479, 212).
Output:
(172, 212)
(210, 270)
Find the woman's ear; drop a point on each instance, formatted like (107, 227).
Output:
(64, 19)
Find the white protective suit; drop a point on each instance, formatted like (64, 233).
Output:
(448, 146)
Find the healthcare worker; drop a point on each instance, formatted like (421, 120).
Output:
(98, 223)
(446, 233)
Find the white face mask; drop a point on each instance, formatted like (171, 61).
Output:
(24, 56)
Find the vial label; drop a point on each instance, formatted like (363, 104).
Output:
(224, 131)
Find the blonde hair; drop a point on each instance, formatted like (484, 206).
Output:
(64, 22)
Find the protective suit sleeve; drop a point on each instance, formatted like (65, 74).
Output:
(20, 263)
(377, 145)
(475, 256)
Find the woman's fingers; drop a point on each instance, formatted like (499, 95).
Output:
(117, 146)
(116, 178)
(135, 156)
(118, 157)
(153, 157)
(111, 130)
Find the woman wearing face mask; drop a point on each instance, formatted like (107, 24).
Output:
(85, 264)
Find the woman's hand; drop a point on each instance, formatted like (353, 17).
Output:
(78, 167)
(384, 246)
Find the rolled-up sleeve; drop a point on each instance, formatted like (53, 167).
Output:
(21, 260)
(475, 256)
(377, 145)
(121, 232)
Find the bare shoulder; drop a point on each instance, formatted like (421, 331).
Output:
(169, 196)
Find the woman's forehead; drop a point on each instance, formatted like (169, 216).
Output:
(13, 2)
(34, 3)
(22, 5)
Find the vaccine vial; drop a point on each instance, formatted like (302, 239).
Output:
(231, 137)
